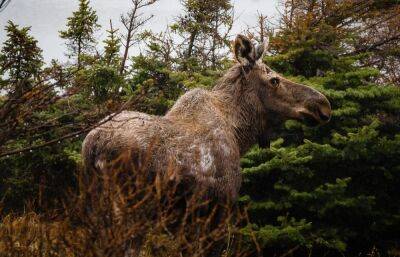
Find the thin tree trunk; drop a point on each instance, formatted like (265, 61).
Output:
(126, 52)
(79, 54)
(214, 43)
(190, 48)
(130, 27)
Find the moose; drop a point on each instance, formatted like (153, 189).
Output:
(205, 133)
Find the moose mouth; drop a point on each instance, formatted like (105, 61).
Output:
(314, 119)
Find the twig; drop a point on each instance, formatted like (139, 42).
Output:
(291, 251)
(65, 137)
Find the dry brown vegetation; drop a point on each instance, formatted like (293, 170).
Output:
(125, 213)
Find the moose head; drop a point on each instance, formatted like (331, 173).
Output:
(263, 98)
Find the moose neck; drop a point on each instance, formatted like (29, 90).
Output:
(244, 112)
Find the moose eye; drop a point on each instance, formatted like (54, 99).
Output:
(274, 82)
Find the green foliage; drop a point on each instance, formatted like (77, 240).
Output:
(103, 82)
(161, 85)
(315, 190)
(303, 61)
(153, 79)
(38, 178)
(112, 47)
(204, 29)
(20, 58)
(340, 180)
(41, 177)
(81, 27)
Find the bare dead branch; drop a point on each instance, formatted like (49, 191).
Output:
(132, 22)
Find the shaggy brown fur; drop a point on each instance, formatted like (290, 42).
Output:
(206, 132)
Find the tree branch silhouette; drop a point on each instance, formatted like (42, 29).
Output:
(3, 4)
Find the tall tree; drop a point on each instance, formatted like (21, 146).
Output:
(330, 190)
(204, 28)
(345, 27)
(81, 27)
(20, 58)
(132, 22)
(221, 25)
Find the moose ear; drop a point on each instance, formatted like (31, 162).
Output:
(261, 49)
(244, 50)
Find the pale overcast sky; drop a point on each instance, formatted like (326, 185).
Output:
(47, 17)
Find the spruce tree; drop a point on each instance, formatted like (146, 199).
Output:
(81, 27)
(204, 28)
(21, 59)
(112, 46)
(31, 113)
(332, 188)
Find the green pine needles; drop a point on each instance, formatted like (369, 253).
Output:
(80, 31)
(338, 189)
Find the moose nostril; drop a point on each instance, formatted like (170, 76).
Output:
(324, 116)
(318, 108)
